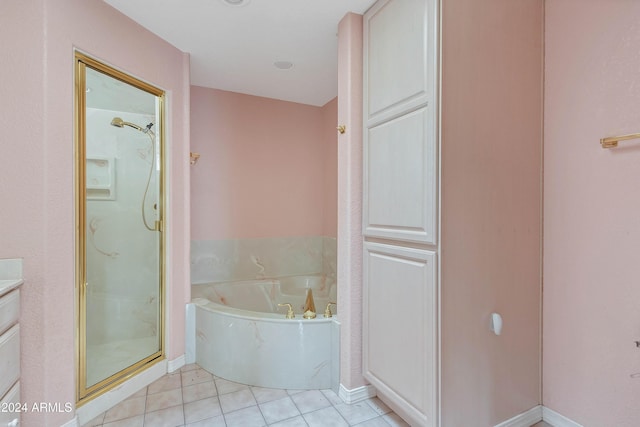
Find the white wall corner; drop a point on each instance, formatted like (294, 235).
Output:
(72, 422)
(525, 419)
(357, 394)
(556, 420)
(177, 363)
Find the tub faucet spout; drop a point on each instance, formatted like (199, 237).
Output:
(309, 306)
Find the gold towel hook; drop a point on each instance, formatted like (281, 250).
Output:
(342, 129)
(193, 158)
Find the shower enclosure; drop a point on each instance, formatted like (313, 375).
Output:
(119, 177)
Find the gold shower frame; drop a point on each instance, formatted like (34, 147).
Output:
(83, 393)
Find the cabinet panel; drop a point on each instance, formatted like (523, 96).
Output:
(9, 358)
(400, 328)
(397, 58)
(400, 179)
(11, 406)
(9, 309)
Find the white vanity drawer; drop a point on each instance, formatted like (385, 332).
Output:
(10, 407)
(9, 311)
(9, 358)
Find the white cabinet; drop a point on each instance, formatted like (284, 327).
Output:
(400, 302)
(400, 207)
(400, 135)
(9, 359)
(400, 183)
(10, 281)
(10, 401)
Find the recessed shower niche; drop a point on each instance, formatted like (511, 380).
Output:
(120, 211)
(101, 178)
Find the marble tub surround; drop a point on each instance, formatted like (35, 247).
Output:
(250, 259)
(263, 296)
(10, 274)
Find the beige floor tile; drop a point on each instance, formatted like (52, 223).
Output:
(137, 421)
(325, 417)
(356, 413)
(195, 376)
(225, 386)
(263, 395)
(189, 367)
(292, 422)
(209, 422)
(163, 400)
(279, 410)
(192, 397)
(245, 417)
(237, 400)
(168, 382)
(310, 400)
(201, 410)
(126, 409)
(374, 422)
(198, 391)
(169, 417)
(139, 393)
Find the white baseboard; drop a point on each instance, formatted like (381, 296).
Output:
(175, 364)
(525, 419)
(357, 394)
(556, 420)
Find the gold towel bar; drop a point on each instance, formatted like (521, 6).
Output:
(612, 141)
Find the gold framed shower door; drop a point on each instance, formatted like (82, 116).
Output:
(84, 391)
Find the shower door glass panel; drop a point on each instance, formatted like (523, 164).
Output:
(121, 321)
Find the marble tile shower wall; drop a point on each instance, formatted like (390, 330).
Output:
(251, 259)
(121, 294)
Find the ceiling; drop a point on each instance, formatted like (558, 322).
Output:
(234, 47)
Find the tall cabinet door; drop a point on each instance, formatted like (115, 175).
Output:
(400, 211)
(400, 345)
(400, 93)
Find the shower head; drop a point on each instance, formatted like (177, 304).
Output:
(119, 123)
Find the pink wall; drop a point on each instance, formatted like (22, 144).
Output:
(350, 200)
(592, 205)
(262, 167)
(491, 208)
(36, 166)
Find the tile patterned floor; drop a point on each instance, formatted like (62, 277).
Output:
(192, 397)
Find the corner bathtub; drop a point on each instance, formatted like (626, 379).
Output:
(241, 336)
